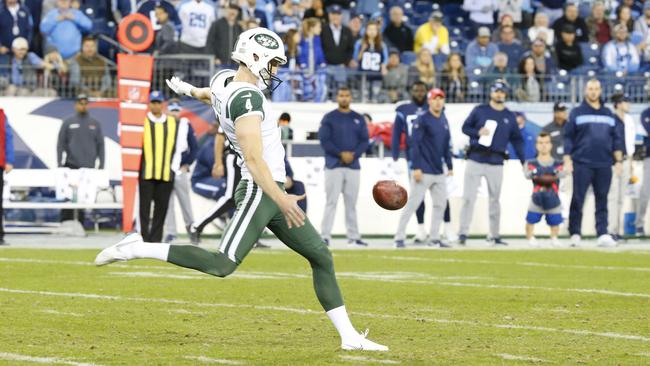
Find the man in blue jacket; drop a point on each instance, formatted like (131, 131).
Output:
(15, 21)
(642, 205)
(405, 115)
(490, 127)
(430, 145)
(6, 161)
(343, 136)
(63, 26)
(592, 144)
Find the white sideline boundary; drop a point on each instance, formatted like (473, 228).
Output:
(368, 359)
(220, 361)
(579, 332)
(510, 357)
(45, 360)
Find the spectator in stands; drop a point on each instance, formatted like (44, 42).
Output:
(6, 163)
(396, 77)
(338, 45)
(481, 13)
(506, 21)
(344, 6)
(148, 9)
(511, 46)
(15, 21)
(592, 145)
(433, 35)
(196, 18)
(423, 69)
(312, 61)
(543, 58)
(249, 11)
(620, 54)
(454, 79)
(552, 9)
(624, 16)
(88, 71)
(571, 17)
(499, 70)
(165, 41)
(292, 186)
(531, 84)
(397, 34)
(356, 24)
(642, 25)
(80, 145)
(567, 50)
(18, 70)
(600, 28)
(479, 52)
(511, 9)
(556, 129)
(485, 157)
(223, 35)
(287, 16)
(344, 138)
(284, 122)
(371, 54)
(184, 155)
(529, 137)
(63, 27)
(541, 30)
(317, 10)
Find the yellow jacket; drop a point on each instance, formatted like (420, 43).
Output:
(424, 35)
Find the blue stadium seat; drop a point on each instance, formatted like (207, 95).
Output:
(590, 53)
(408, 57)
(439, 60)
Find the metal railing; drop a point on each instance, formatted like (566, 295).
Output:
(318, 86)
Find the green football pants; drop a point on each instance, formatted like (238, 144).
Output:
(255, 211)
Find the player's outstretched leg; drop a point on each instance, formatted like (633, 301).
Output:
(133, 247)
(307, 242)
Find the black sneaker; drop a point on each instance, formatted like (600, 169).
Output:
(3, 242)
(357, 242)
(326, 241)
(438, 244)
(498, 241)
(195, 236)
(260, 245)
(462, 239)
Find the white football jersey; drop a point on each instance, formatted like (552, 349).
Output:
(232, 100)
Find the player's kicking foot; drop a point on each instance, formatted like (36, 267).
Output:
(116, 252)
(195, 235)
(362, 343)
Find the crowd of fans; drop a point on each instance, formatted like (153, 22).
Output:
(377, 46)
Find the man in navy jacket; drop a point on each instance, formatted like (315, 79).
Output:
(642, 206)
(430, 146)
(490, 128)
(343, 136)
(592, 144)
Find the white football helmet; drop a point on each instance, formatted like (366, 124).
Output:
(258, 49)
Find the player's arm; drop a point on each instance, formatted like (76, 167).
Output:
(219, 143)
(249, 135)
(182, 88)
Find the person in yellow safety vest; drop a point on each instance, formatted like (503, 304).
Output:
(156, 174)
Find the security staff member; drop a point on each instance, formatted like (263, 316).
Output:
(156, 174)
(556, 130)
(592, 144)
(490, 127)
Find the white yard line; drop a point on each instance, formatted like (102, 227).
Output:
(46, 360)
(507, 356)
(551, 289)
(220, 361)
(55, 312)
(580, 332)
(368, 359)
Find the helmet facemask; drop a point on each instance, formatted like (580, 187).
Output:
(267, 78)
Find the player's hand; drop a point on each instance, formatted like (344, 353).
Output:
(347, 157)
(618, 168)
(450, 173)
(483, 131)
(568, 165)
(185, 168)
(417, 175)
(179, 86)
(8, 168)
(288, 183)
(292, 212)
(217, 171)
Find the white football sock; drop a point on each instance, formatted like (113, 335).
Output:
(158, 251)
(339, 316)
(422, 231)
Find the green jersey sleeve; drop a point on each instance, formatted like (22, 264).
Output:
(245, 102)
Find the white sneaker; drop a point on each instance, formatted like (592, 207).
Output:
(115, 252)
(363, 344)
(556, 243)
(532, 242)
(606, 240)
(575, 240)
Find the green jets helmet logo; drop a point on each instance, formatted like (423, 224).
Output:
(266, 41)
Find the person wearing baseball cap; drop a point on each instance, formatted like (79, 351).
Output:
(432, 35)
(556, 129)
(156, 173)
(481, 51)
(431, 144)
(490, 128)
(620, 54)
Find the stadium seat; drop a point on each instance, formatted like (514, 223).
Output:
(439, 60)
(590, 53)
(408, 57)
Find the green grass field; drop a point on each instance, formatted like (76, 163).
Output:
(430, 307)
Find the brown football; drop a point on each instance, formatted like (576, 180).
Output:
(389, 195)
(546, 180)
